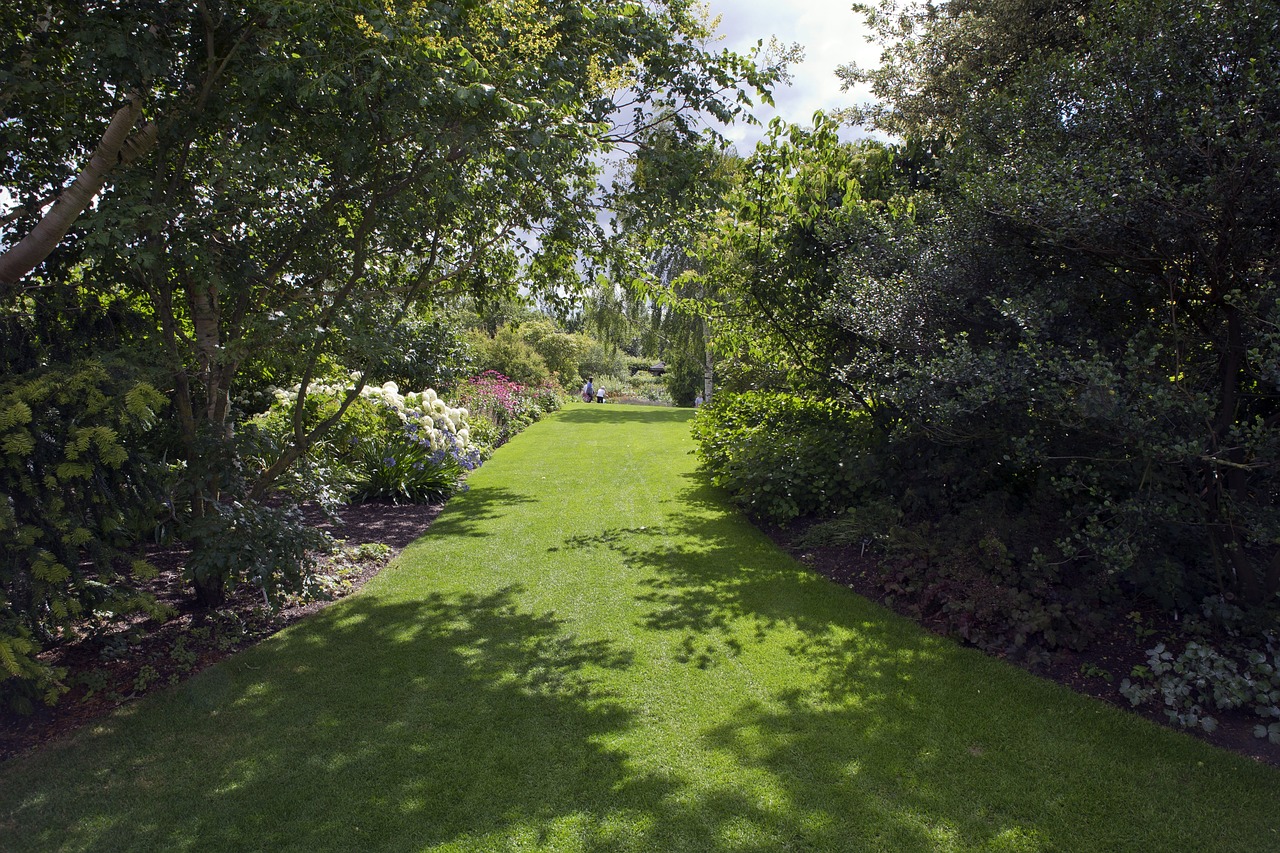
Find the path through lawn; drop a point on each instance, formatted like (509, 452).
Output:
(589, 652)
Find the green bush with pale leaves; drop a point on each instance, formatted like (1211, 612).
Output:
(78, 492)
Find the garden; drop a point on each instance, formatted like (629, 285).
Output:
(296, 301)
(569, 661)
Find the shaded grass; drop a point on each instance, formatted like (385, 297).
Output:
(590, 652)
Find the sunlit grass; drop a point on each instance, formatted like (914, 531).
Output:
(589, 652)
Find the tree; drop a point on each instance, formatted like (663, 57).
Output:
(1132, 147)
(664, 201)
(313, 164)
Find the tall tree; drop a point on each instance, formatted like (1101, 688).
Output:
(295, 166)
(1124, 156)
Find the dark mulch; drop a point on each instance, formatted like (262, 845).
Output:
(108, 670)
(153, 643)
(1096, 671)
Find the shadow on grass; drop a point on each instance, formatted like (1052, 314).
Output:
(878, 736)
(463, 721)
(372, 726)
(468, 513)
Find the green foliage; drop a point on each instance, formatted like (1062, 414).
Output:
(270, 547)
(402, 447)
(1060, 345)
(510, 354)
(77, 494)
(563, 603)
(1192, 684)
(872, 522)
(405, 467)
(561, 352)
(684, 377)
(336, 576)
(426, 352)
(1064, 340)
(1228, 663)
(976, 574)
(318, 173)
(601, 359)
(412, 447)
(640, 387)
(781, 456)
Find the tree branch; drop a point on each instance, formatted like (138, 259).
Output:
(120, 145)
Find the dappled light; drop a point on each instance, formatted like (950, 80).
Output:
(415, 706)
(621, 663)
(630, 421)
(480, 507)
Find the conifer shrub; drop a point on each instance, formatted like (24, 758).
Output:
(78, 492)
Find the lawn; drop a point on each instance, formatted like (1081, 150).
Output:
(590, 651)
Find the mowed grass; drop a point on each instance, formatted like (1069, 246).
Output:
(590, 652)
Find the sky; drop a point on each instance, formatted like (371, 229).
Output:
(831, 35)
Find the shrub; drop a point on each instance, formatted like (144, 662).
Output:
(500, 407)
(510, 355)
(871, 523)
(643, 387)
(781, 457)
(976, 574)
(435, 354)
(561, 351)
(77, 492)
(418, 465)
(602, 360)
(1229, 665)
(413, 447)
(239, 542)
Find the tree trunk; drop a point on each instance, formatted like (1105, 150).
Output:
(117, 146)
(707, 371)
(210, 592)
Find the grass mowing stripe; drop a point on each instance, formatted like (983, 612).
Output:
(590, 652)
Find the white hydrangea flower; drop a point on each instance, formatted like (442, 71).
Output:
(437, 419)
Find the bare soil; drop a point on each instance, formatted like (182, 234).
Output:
(1095, 671)
(108, 669)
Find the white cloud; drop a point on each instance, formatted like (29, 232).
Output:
(831, 35)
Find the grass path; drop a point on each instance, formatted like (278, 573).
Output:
(589, 652)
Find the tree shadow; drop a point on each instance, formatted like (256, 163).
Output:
(444, 718)
(464, 721)
(880, 736)
(708, 568)
(466, 514)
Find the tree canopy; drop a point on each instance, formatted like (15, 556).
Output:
(212, 197)
(1057, 286)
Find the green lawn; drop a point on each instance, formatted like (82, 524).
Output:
(590, 651)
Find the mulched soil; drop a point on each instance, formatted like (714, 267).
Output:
(109, 670)
(1096, 671)
(154, 654)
